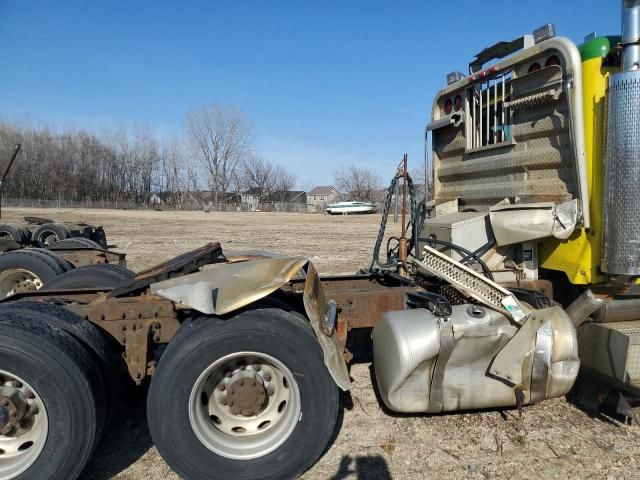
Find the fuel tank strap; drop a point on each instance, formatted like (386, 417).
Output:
(437, 379)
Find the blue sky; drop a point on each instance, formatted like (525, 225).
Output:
(324, 83)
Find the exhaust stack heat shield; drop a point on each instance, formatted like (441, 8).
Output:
(621, 200)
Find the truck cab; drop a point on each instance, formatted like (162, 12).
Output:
(536, 151)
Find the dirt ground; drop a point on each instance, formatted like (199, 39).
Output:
(553, 439)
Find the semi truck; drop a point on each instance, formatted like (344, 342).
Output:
(520, 286)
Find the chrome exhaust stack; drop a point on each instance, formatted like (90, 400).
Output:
(621, 199)
(630, 35)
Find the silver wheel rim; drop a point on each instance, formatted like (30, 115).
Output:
(18, 280)
(244, 405)
(24, 425)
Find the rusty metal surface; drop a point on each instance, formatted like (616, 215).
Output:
(544, 286)
(37, 220)
(317, 308)
(361, 298)
(137, 323)
(226, 287)
(362, 307)
(246, 396)
(10, 415)
(90, 256)
(80, 295)
(184, 264)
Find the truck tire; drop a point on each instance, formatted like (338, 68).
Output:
(90, 338)
(254, 399)
(91, 276)
(65, 264)
(13, 232)
(27, 234)
(78, 242)
(61, 432)
(50, 233)
(26, 270)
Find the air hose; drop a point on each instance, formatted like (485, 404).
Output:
(416, 221)
(375, 261)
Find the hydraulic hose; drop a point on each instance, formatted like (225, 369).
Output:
(375, 261)
(463, 251)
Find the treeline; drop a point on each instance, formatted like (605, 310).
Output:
(77, 165)
(214, 158)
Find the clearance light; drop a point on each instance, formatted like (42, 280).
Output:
(447, 106)
(453, 77)
(552, 60)
(457, 102)
(544, 33)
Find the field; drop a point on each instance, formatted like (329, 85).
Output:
(553, 439)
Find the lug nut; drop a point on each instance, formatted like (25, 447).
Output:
(257, 367)
(267, 377)
(222, 387)
(270, 391)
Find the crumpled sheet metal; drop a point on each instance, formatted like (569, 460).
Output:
(561, 366)
(524, 222)
(226, 287)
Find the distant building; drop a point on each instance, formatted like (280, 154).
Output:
(253, 199)
(287, 196)
(320, 197)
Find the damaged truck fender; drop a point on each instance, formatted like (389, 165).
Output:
(227, 287)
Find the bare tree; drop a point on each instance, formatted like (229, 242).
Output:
(265, 178)
(421, 177)
(221, 137)
(257, 175)
(360, 184)
(283, 179)
(172, 178)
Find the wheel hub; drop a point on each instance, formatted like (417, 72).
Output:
(244, 405)
(13, 409)
(246, 396)
(23, 425)
(18, 280)
(5, 419)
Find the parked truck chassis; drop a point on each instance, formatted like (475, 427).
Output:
(246, 352)
(150, 315)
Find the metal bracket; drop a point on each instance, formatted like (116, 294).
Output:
(473, 284)
(136, 343)
(437, 379)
